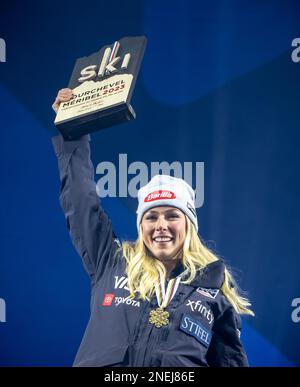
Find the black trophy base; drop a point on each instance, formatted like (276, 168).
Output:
(73, 129)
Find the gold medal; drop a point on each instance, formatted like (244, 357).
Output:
(159, 317)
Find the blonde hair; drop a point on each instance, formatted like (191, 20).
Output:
(144, 271)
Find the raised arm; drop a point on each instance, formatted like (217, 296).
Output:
(90, 228)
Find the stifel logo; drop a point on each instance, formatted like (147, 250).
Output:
(158, 195)
(108, 299)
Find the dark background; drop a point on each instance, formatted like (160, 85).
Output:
(217, 85)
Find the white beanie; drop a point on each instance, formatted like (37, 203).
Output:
(164, 190)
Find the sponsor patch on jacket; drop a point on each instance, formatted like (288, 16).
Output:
(210, 293)
(198, 306)
(121, 282)
(194, 328)
(108, 299)
(127, 301)
(158, 195)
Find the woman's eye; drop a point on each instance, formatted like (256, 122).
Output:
(150, 217)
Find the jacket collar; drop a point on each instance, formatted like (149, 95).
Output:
(211, 276)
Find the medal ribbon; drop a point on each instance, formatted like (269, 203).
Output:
(164, 297)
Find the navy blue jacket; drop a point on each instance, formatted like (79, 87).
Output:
(204, 327)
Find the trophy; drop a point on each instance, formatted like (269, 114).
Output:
(102, 84)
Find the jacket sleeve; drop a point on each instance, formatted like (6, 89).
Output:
(90, 228)
(226, 349)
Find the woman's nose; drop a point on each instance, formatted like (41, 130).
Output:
(161, 223)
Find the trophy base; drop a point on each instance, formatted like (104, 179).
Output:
(75, 128)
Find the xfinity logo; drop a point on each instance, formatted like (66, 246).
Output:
(2, 50)
(196, 306)
(2, 311)
(107, 184)
(107, 65)
(296, 312)
(296, 52)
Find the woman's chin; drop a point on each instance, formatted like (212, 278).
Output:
(163, 255)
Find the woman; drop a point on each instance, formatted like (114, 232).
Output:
(165, 300)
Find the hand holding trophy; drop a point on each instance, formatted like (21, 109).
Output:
(64, 95)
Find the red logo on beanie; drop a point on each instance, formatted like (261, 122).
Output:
(159, 195)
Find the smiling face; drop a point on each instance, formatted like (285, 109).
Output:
(164, 231)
